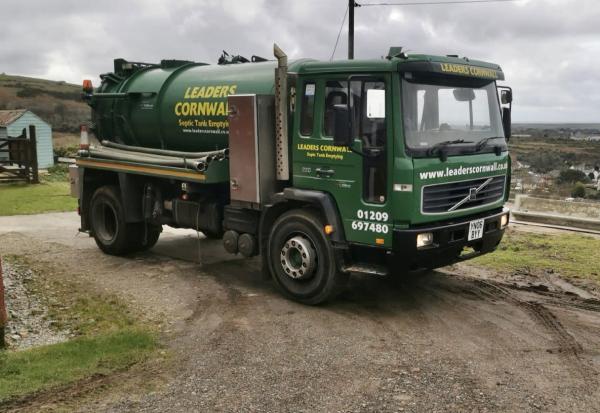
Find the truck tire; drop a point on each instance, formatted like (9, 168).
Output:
(107, 221)
(301, 259)
(145, 238)
(212, 234)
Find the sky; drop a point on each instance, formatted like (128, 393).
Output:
(548, 49)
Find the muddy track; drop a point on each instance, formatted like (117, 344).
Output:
(566, 345)
(71, 394)
(559, 299)
(439, 341)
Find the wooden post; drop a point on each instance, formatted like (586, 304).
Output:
(3, 315)
(33, 155)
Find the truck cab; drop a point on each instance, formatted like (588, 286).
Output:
(413, 149)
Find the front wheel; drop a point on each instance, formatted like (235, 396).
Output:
(301, 259)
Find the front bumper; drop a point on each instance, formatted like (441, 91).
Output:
(449, 242)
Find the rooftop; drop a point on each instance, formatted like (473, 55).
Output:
(9, 116)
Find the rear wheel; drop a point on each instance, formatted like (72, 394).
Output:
(110, 231)
(146, 237)
(301, 259)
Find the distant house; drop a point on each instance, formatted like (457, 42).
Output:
(12, 123)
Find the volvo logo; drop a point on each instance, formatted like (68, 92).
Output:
(472, 195)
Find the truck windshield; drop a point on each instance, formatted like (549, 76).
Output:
(456, 115)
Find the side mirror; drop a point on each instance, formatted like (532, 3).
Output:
(506, 122)
(342, 135)
(506, 97)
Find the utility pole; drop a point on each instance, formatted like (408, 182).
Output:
(351, 5)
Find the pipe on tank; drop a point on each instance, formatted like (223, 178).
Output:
(281, 114)
(164, 152)
(199, 164)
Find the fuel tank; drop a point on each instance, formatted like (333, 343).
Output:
(176, 105)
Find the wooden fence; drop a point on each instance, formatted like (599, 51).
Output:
(21, 163)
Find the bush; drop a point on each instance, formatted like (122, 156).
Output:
(578, 190)
(57, 173)
(66, 151)
(571, 176)
(595, 195)
(27, 92)
(543, 162)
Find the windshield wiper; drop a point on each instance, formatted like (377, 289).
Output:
(482, 142)
(438, 147)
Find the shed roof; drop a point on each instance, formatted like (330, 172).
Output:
(9, 116)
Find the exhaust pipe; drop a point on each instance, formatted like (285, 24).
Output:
(281, 114)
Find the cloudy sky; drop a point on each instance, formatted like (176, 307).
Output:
(549, 49)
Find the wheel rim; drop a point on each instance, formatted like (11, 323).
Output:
(106, 222)
(298, 258)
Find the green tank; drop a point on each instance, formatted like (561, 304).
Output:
(175, 105)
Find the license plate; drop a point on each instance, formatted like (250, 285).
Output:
(476, 229)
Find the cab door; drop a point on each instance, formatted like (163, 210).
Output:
(356, 177)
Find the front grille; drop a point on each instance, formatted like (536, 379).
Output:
(443, 197)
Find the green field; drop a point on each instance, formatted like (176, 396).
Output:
(108, 337)
(569, 255)
(20, 199)
(52, 194)
(32, 370)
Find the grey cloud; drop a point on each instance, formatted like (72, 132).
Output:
(549, 49)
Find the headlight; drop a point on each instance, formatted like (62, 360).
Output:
(424, 239)
(504, 221)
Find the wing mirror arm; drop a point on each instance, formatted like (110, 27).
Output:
(506, 98)
(506, 123)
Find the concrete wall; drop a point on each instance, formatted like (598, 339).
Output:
(43, 133)
(589, 210)
(585, 215)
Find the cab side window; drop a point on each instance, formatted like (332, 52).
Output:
(307, 110)
(336, 93)
(367, 98)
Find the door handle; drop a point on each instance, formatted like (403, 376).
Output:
(325, 172)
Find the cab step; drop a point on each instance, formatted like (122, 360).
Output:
(367, 269)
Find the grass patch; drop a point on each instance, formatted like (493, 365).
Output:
(48, 196)
(28, 371)
(108, 336)
(73, 308)
(570, 255)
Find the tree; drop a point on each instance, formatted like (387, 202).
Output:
(578, 190)
(571, 176)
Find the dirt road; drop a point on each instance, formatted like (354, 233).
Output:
(443, 341)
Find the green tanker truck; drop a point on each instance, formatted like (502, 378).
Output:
(323, 168)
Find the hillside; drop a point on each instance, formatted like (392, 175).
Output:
(549, 147)
(57, 102)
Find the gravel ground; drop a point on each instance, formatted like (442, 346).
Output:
(28, 324)
(448, 341)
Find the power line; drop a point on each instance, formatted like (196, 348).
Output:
(433, 3)
(354, 4)
(339, 33)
